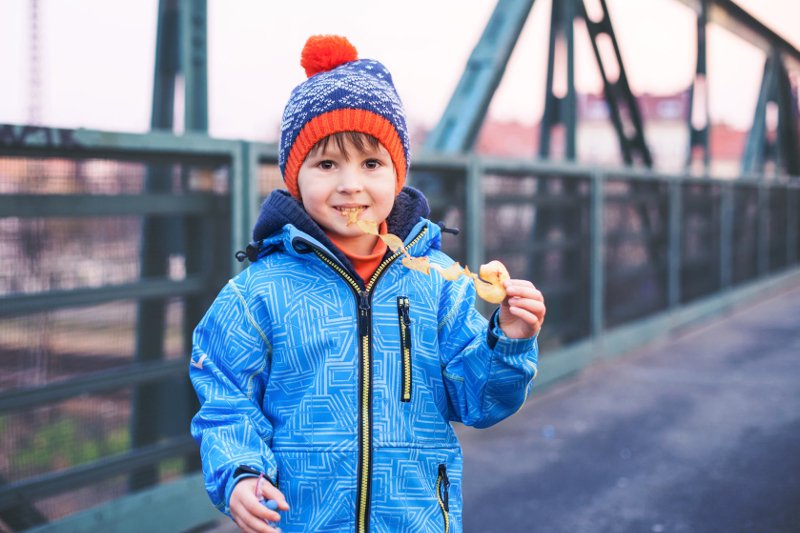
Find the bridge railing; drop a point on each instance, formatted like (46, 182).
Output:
(113, 245)
(611, 246)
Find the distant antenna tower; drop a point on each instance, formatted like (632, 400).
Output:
(34, 74)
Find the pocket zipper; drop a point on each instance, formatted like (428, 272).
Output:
(443, 495)
(404, 319)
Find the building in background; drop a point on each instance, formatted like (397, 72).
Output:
(666, 131)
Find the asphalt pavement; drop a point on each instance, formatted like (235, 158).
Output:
(698, 433)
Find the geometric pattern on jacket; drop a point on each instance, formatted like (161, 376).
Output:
(279, 386)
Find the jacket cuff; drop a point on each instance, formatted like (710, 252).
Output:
(243, 472)
(494, 334)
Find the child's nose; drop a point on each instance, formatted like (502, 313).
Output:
(350, 181)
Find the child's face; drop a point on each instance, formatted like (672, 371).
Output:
(332, 181)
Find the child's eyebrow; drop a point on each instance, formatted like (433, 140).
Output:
(376, 151)
(323, 153)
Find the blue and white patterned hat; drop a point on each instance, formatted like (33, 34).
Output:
(342, 93)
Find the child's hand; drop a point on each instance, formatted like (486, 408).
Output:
(523, 310)
(247, 509)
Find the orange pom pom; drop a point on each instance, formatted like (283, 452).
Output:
(325, 52)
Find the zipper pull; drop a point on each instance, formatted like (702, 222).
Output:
(363, 301)
(445, 485)
(405, 310)
(363, 310)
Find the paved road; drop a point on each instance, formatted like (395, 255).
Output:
(697, 434)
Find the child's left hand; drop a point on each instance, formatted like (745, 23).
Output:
(522, 312)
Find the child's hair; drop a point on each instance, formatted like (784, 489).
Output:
(340, 139)
(342, 94)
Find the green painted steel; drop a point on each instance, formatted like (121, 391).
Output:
(699, 118)
(782, 151)
(560, 110)
(675, 252)
(187, 220)
(72, 478)
(181, 49)
(475, 208)
(618, 94)
(132, 374)
(178, 505)
(20, 139)
(726, 236)
(597, 282)
(244, 198)
(166, 66)
(25, 304)
(53, 205)
(730, 16)
(792, 226)
(488, 186)
(458, 128)
(193, 35)
(763, 230)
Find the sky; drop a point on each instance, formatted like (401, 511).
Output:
(97, 57)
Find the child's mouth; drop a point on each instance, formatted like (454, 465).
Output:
(351, 213)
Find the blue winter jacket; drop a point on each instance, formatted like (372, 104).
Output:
(342, 391)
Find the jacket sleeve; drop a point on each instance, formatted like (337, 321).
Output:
(230, 350)
(487, 375)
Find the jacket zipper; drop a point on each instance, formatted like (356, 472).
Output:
(443, 495)
(404, 318)
(363, 298)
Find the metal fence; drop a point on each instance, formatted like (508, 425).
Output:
(608, 247)
(113, 245)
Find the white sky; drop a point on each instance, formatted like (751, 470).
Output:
(97, 57)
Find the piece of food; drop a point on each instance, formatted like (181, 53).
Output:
(393, 242)
(420, 264)
(367, 226)
(451, 273)
(494, 272)
(489, 283)
(352, 215)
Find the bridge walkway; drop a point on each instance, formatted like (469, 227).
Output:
(697, 433)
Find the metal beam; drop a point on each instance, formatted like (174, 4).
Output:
(458, 128)
(560, 110)
(699, 118)
(22, 304)
(760, 147)
(148, 510)
(95, 205)
(181, 48)
(73, 478)
(26, 140)
(618, 93)
(166, 66)
(730, 16)
(132, 374)
(194, 63)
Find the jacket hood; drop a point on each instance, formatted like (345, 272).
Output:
(280, 209)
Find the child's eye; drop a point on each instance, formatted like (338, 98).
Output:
(372, 164)
(326, 164)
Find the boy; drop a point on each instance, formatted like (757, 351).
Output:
(328, 373)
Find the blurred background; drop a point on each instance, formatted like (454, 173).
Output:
(635, 159)
(90, 64)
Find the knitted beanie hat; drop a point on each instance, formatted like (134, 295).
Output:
(342, 93)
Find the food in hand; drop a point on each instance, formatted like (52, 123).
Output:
(489, 282)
